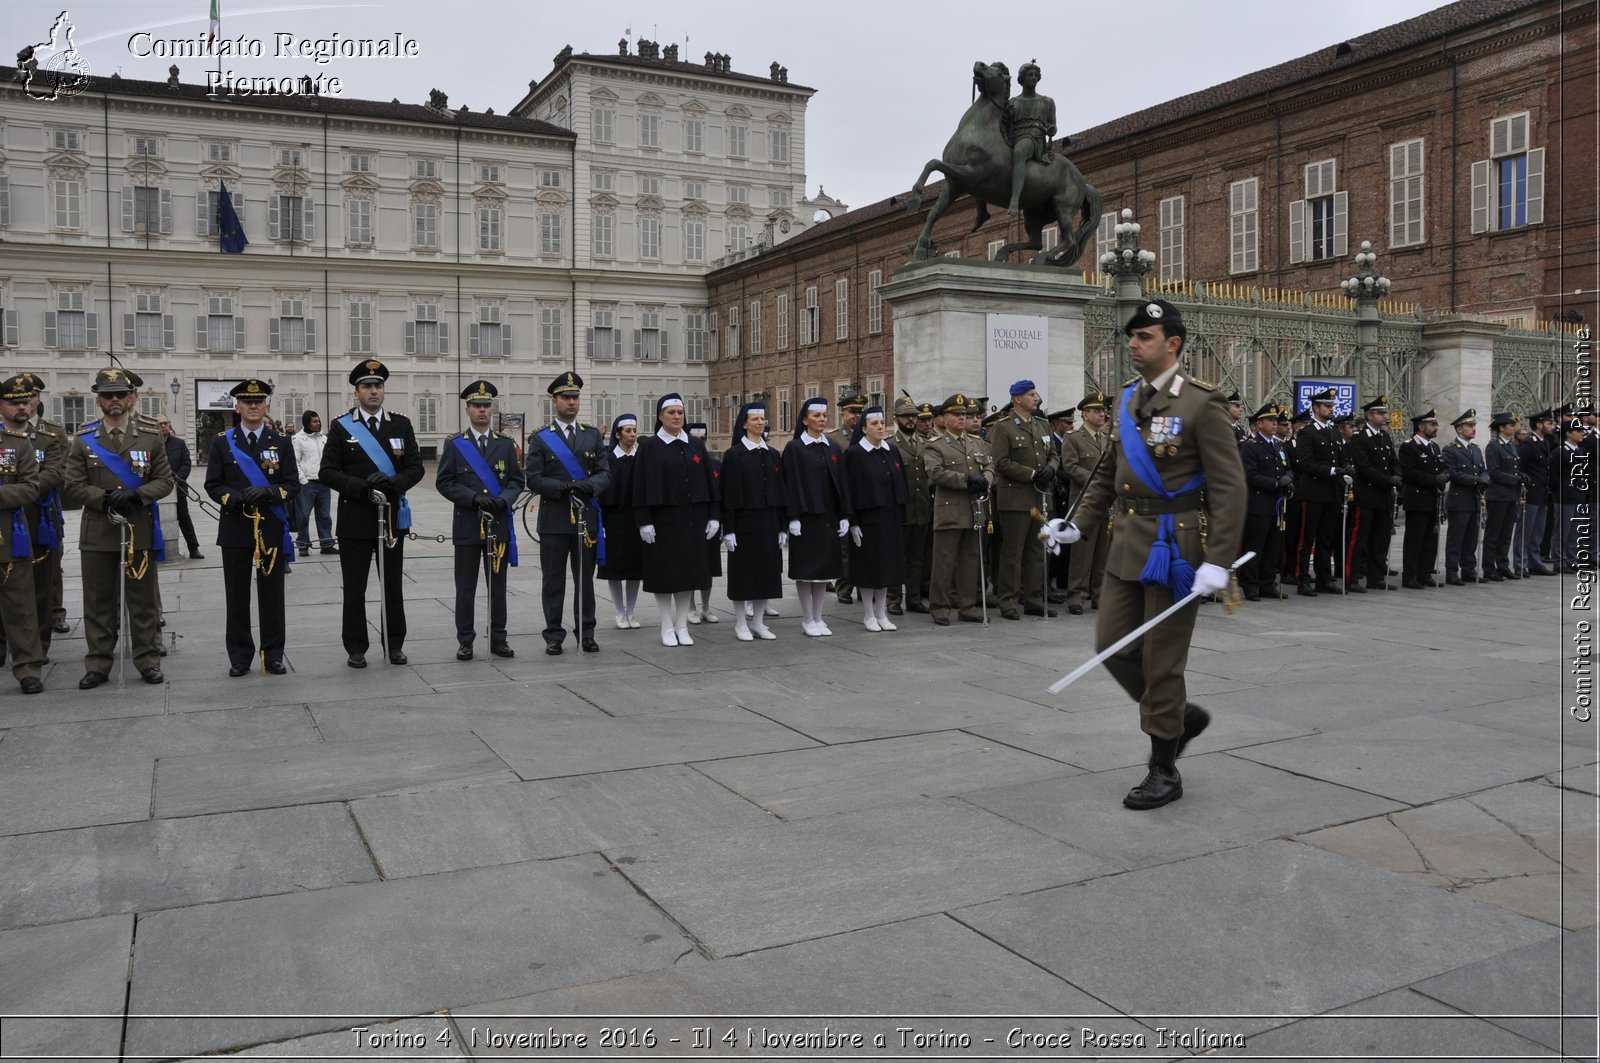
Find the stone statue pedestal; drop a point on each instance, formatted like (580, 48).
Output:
(941, 311)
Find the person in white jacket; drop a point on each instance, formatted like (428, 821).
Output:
(313, 496)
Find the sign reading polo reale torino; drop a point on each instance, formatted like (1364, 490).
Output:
(1018, 349)
(214, 394)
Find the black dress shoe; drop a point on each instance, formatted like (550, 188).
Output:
(847, 598)
(1010, 614)
(590, 646)
(896, 609)
(1378, 585)
(1039, 610)
(1510, 575)
(1057, 597)
(1162, 785)
(237, 670)
(464, 652)
(1455, 581)
(1327, 587)
(61, 627)
(396, 657)
(918, 607)
(195, 555)
(152, 676)
(1252, 596)
(276, 667)
(32, 684)
(1429, 581)
(162, 650)
(330, 549)
(1075, 609)
(502, 649)
(553, 649)
(1195, 720)
(1411, 584)
(357, 660)
(970, 619)
(1354, 588)
(1306, 590)
(942, 621)
(91, 680)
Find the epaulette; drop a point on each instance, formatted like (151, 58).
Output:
(1130, 380)
(13, 432)
(54, 426)
(87, 427)
(1203, 385)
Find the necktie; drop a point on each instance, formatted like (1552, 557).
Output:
(483, 445)
(570, 433)
(251, 436)
(372, 424)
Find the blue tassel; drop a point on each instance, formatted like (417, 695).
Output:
(21, 544)
(1157, 568)
(1182, 579)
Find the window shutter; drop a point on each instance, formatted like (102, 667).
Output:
(92, 330)
(5, 199)
(238, 334)
(169, 333)
(472, 337)
(308, 216)
(166, 210)
(444, 338)
(272, 334)
(411, 337)
(49, 328)
(1297, 231)
(616, 343)
(1341, 210)
(127, 208)
(505, 340)
(1536, 186)
(311, 334)
(638, 353)
(1480, 196)
(1517, 134)
(13, 336)
(662, 339)
(129, 339)
(201, 332)
(202, 214)
(1500, 137)
(272, 220)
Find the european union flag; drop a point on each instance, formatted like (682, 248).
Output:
(228, 224)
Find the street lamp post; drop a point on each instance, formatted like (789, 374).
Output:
(1366, 288)
(1127, 263)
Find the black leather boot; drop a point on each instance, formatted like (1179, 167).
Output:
(1162, 785)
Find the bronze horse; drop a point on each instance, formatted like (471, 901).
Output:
(977, 162)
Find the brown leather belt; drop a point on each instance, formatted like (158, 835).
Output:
(1155, 507)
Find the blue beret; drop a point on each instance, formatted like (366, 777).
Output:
(1022, 387)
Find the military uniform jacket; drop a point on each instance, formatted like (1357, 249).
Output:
(1420, 464)
(1316, 456)
(1505, 475)
(1019, 448)
(1468, 476)
(1533, 460)
(19, 486)
(1204, 441)
(1079, 451)
(949, 460)
(919, 502)
(274, 453)
(1371, 451)
(548, 478)
(456, 481)
(1265, 462)
(840, 437)
(345, 468)
(86, 482)
(50, 446)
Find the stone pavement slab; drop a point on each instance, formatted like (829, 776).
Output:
(834, 717)
(75, 969)
(367, 719)
(328, 771)
(1582, 779)
(142, 867)
(420, 834)
(1227, 802)
(1541, 716)
(1416, 759)
(1101, 739)
(754, 889)
(819, 782)
(148, 737)
(639, 691)
(59, 798)
(63, 702)
(1301, 931)
(411, 946)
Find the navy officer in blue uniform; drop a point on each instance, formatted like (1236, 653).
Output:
(568, 468)
(251, 474)
(478, 471)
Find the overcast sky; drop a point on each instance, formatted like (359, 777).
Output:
(891, 79)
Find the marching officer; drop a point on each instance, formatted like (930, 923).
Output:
(1506, 484)
(1025, 465)
(1267, 473)
(1080, 453)
(1425, 475)
(851, 403)
(19, 398)
(479, 472)
(1371, 453)
(118, 467)
(917, 527)
(961, 471)
(569, 468)
(21, 605)
(1319, 488)
(251, 474)
(372, 450)
(1468, 478)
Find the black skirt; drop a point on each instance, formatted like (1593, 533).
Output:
(755, 568)
(814, 553)
(624, 548)
(880, 560)
(676, 561)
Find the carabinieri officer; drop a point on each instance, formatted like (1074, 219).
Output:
(478, 471)
(251, 474)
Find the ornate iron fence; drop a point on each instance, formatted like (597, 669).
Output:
(1533, 367)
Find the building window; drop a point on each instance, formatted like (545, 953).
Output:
(359, 311)
(755, 327)
(1508, 187)
(694, 190)
(605, 339)
(293, 407)
(69, 326)
(66, 140)
(739, 194)
(1243, 220)
(549, 178)
(730, 335)
(694, 335)
(147, 328)
(490, 335)
(694, 240)
(489, 173)
(649, 342)
(1317, 223)
(427, 414)
(1171, 219)
(218, 330)
(694, 135)
(426, 169)
(874, 302)
(426, 334)
(1105, 237)
(738, 135)
(841, 309)
(150, 405)
(551, 332)
(993, 250)
(550, 233)
(291, 218)
(1405, 193)
(359, 162)
(292, 332)
(149, 147)
(489, 228)
(779, 197)
(73, 411)
(784, 412)
(778, 138)
(68, 198)
(875, 391)
(206, 204)
(604, 181)
(146, 209)
(783, 321)
(1049, 238)
(291, 158)
(605, 235)
(650, 238)
(649, 130)
(425, 225)
(358, 221)
(810, 320)
(738, 236)
(649, 184)
(603, 124)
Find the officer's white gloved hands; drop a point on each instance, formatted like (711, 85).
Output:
(711, 529)
(844, 526)
(783, 540)
(1063, 531)
(1348, 481)
(1210, 579)
(794, 527)
(647, 532)
(731, 541)
(855, 534)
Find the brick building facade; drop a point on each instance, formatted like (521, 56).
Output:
(1461, 143)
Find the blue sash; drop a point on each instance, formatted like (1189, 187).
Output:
(1166, 566)
(480, 469)
(130, 480)
(378, 456)
(253, 472)
(558, 447)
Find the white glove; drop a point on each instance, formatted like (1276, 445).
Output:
(1063, 531)
(855, 534)
(1210, 579)
(1348, 481)
(794, 527)
(783, 540)
(731, 541)
(647, 532)
(711, 529)
(844, 526)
